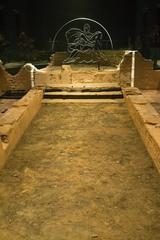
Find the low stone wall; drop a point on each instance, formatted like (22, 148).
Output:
(147, 121)
(68, 75)
(145, 76)
(14, 122)
(20, 81)
(4, 85)
(125, 70)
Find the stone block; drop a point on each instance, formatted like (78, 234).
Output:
(12, 115)
(107, 77)
(41, 78)
(132, 91)
(84, 77)
(54, 77)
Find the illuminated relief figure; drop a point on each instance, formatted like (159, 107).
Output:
(81, 41)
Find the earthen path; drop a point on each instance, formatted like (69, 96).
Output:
(80, 172)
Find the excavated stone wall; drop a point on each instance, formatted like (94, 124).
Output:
(147, 121)
(20, 81)
(14, 122)
(145, 76)
(68, 75)
(4, 76)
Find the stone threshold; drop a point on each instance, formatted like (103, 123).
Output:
(83, 87)
(107, 101)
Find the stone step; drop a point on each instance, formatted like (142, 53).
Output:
(93, 100)
(83, 87)
(17, 94)
(83, 95)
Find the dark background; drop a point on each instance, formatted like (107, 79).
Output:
(41, 19)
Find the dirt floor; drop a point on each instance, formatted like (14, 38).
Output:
(80, 172)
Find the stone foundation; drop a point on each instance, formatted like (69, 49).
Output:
(16, 119)
(68, 75)
(20, 81)
(145, 76)
(147, 121)
(14, 122)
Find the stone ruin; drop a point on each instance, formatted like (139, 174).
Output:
(71, 74)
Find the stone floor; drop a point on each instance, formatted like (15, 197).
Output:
(80, 172)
